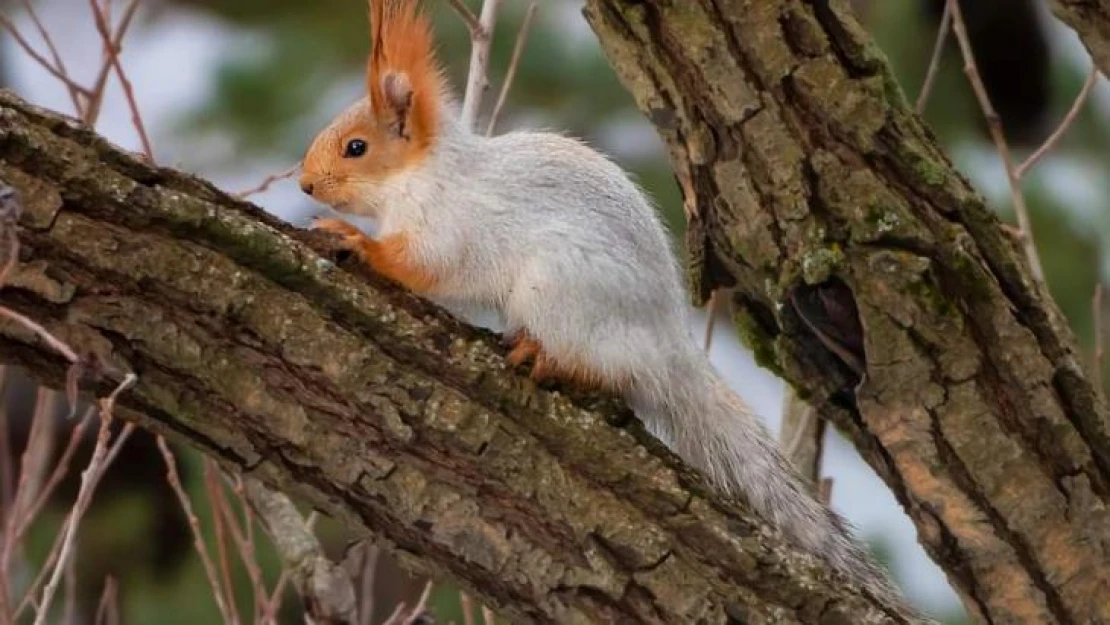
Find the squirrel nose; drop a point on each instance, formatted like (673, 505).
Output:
(306, 184)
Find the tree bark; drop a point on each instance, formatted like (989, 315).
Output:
(1091, 21)
(874, 279)
(374, 405)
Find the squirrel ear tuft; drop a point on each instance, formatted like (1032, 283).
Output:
(397, 96)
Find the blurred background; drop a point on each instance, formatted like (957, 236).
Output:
(234, 90)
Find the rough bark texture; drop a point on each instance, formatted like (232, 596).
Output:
(812, 187)
(1091, 21)
(373, 405)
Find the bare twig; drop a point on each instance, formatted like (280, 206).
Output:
(467, 607)
(802, 437)
(1069, 118)
(477, 80)
(995, 127)
(267, 181)
(218, 592)
(59, 473)
(56, 549)
(368, 570)
(217, 504)
(96, 94)
(42, 333)
(934, 62)
(327, 589)
(467, 16)
(243, 538)
(1096, 311)
(38, 58)
(112, 50)
(711, 308)
(90, 477)
(403, 616)
(6, 476)
(514, 62)
(107, 611)
(421, 606)
(58, 62)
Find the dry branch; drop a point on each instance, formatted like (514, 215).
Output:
(371, 404)
(810, 174)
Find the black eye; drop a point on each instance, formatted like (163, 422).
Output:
(355, 148)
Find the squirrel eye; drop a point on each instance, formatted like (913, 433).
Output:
(355, 148)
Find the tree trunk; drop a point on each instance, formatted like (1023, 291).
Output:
(873, 278)
(373, 405)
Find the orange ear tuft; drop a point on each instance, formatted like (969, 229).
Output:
(403, 77)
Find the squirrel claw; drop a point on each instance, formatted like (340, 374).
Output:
(524, 348)
(338, 226)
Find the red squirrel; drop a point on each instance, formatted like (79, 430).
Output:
(558, 239)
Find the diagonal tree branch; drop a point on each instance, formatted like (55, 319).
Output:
(814, 180)
(372, 405)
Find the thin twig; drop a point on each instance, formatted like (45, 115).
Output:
(711, 317)
(467, 608)
(96, 94)
(244, 542)
(995, 127)
(421, 605)
(128, 91)
(367, 576)
(56, 549)
(1069, 118)
(267, 181)
(802, 437)
(934, 62)
(43, 334)
(58, 62)
(38, 58)
(13, 255)
(174, 480)
(467, 16)
(1096, 310)
(218, 518)
(61, 469)
(108, 599)
(477, 81)
(514, 62)
(90, 477)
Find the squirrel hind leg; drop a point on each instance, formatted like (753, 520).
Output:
(548, 368)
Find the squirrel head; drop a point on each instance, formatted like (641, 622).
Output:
(390, 130)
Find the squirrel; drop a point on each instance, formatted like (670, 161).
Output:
(566, 247)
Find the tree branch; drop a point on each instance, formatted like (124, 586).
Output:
(372, 405)
(1091, 21)
(809, 174)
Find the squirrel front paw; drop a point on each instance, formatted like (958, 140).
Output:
(350, 236)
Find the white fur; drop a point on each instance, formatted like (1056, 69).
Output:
(558, 239)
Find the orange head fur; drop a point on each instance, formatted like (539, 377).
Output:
(394, 127)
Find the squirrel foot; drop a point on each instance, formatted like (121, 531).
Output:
(390, 256)
(351, 238)
(544, 368)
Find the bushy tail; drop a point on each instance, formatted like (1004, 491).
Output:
(712, 429)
